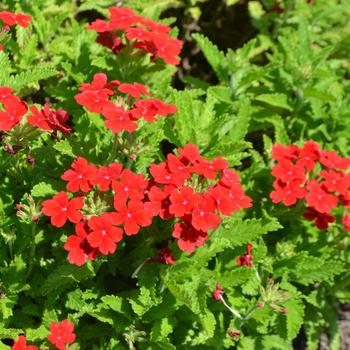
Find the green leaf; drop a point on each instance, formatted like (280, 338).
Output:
(276, 100)
(295, 317)
(42, 190)
(64, 147)
(214, 56)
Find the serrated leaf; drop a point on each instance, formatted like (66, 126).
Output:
(64, 147)
(295, 317)
(42, 190)
(276, 100)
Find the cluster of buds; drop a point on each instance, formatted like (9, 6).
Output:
(318, 177)
(29, 212)
(127, 106)
(125, 29)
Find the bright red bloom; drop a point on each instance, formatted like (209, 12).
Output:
(104, 234)
(148, 109)
(162, 175)
(229, 200)
(167, 48)
(78, 247)
(287, 171)
(190, 154)
(156, 27)
(80, 175)
(11, 19)
(247, 258)
(61, 334)
(134, 90)
(346, 222)
(177, 167)
(132, 215)
(335, 181)
(229, 178)
(321, 220)
(21, 344)
(188, 237)
(123, 17)
(130, 185)
(38, 119)
(183, 201)
(4, 92)
(105, 175)
(138, 33)
(319, 199)
(287, 193)
(15, 109)
(331, 159)
(161, 201)
(60, 208)
(218, 292)
(210, 169)
(280, 152)
(203, 215)
(309, 154)
(99, 84)
(118, 119)
(100, 26)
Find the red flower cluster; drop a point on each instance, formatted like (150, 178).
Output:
(187, 187)
(14, 109)
(61, 335)
(126, 29)
(10, 19)
(247, 258)
(124, 111)
(296, 179)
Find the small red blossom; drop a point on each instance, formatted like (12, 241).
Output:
(61, 209)
(134, 90)
(21, 344)
(38, 119)
(15, 109)
(183, 201)
(118, 118)
(346, 222)
(80, 175)
(218, 292)
(104, 234)
(12, 19)
(203, 215)
(321, 219)
(335, 181)
(286, 171)
(287, 193)
(105, 175)
(57, 119)
(61, 334)
(319, 199)
(331, 159)
(165, 256)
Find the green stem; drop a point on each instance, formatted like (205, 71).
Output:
(32, 251)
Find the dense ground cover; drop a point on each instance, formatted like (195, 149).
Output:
(174, 174)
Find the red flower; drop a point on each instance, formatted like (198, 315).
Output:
(99, 84)
(160, 201)
(21, 344)
(335, 181)
(123, 17)
(4, 92)
(287, 193)
(226, 202)
(78, 247)
(15, 109)
(104, 234)
(319, 199)
(132, 215)
(110, 40)
(190, 154)
(280, 152)
(247, 258)
(130, 185)
(183, 201)
(309, 154)
(57, 119)
(105, 175)
(162, 175)
(138, 33)
(203, 215)
(60, 208)
(176, 166)
(210, 169)
(331, 159)
(61, 334)
(79, 177)
(134, 90)
(118, 119)
(287, 171)
(346, 222)
(229, 178)
(38, 119)
(148, 109)
(167, 48)
(188, 237)
(218, 292)
(100, 26)
(11, 19)
(321, 220)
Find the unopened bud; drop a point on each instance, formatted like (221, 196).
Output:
(261, 305)
(36, 219)
(270, 282)
(31, 160)
(234, 333)
(284, 311)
